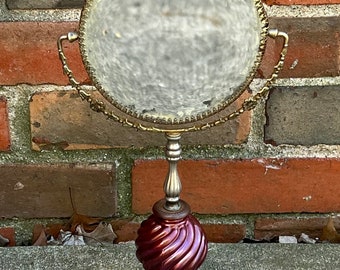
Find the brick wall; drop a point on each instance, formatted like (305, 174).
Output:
(273, 171)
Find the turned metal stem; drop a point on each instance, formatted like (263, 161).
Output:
(172, 184)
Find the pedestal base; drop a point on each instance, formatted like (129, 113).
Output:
(171, 240)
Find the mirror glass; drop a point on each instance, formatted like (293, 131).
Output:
(167, 61)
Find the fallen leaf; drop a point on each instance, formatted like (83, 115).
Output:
(125, 229)
(39, 235)
(88, 223)
(3, 241)
(7, 236)
(53, 230)
(118, 224)
(41, 240)
(103, 234)
(329, 232)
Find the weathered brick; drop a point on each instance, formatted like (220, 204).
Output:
(4, 126)
(46, 190)
(313, 47)
(216, 233)
(243, 186)
(224, 233)
(29, 53)
(38, 4)
(266, 228)
(300, 2)
(9, 233)
(303, 115)
(61, 119)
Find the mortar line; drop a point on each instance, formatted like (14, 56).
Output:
(58, 15)
(318, 81)
(303, 11)
(51, 15)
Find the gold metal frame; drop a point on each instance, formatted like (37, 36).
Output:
(195, 123)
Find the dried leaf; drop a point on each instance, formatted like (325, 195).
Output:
(103, 234)
(125, 229)
(41, 240)
(3, 241)
(88, 223)
(118, 224)
(7, 236)
(329, 232)
(53, 230)
(39, 235)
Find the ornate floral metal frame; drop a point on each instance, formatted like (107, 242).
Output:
(204, 120)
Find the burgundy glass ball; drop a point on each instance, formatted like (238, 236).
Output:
(175, 242)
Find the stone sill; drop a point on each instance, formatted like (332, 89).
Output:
(220, 256)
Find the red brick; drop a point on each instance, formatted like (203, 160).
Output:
(4, 126)
(29, 53)
(8, 233)
(224, 233)
(44, 190)
(60, 119)
(313, 47)
(266, 228)
(243, 186)
(216, 233)
(300, 2)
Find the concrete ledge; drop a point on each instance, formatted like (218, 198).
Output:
(220, 256)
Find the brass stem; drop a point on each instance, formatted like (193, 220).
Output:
(172, 185)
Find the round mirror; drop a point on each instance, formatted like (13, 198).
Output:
(169, 62)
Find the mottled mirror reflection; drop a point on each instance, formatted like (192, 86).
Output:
(171, 59)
